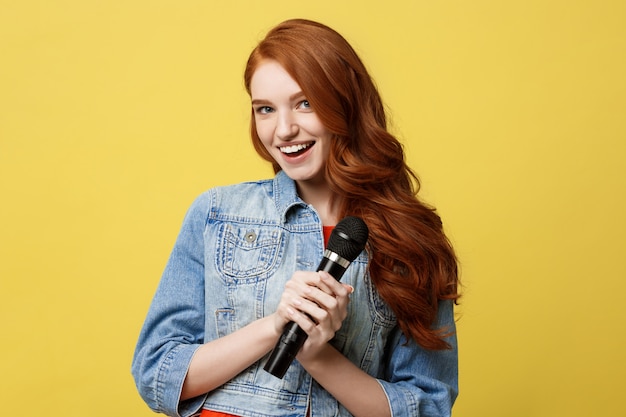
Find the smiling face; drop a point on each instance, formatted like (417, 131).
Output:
(287, 125)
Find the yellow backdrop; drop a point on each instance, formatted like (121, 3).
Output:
(115, 114)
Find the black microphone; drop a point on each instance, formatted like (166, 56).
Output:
(344, 244)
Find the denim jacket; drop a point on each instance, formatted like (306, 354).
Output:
(237, 247)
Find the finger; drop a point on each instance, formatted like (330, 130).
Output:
(300, 280)
(320, 297)
(336, 288)
(301, 318)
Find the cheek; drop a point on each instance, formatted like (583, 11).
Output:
(326, 142)
(264, 131)
(315, 126)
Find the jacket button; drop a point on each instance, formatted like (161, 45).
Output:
(250, 236)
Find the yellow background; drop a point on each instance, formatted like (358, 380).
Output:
(115, 114)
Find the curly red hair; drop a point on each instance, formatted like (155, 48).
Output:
(412, 263)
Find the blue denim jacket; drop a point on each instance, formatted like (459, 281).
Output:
(237, 247)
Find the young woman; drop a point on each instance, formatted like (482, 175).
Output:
(381, 342)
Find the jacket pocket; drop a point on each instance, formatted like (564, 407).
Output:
(249, 253)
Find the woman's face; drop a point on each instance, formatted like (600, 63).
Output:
(287, 125)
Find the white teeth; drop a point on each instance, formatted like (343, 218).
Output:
(294, 148)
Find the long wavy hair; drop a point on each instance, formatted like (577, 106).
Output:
(412, 263)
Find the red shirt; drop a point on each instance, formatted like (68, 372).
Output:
(209, 413)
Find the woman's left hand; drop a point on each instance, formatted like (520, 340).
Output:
(318, 304)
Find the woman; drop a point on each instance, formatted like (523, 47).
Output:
(381, 342)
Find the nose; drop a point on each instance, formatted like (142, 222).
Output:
(286, 125)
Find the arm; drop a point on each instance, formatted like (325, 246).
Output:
(417, 382)
(222, 359)
(359, 392)
(317, 302)
(421, 382)
(172, 365)
(174, 326)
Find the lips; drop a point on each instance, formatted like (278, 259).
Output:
(294, 150)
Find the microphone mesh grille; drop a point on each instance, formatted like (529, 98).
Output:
(348, 238)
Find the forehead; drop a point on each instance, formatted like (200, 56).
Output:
(271, 79)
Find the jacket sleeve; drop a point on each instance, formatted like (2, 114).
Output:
(419, 382)
(174, 326)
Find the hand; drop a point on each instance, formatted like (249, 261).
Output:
(317, 303)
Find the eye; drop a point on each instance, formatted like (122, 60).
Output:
(304, 104)
(263, 109)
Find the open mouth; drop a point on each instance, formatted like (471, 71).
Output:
(295, 150)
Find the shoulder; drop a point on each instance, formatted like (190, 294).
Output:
(256, 188)
(242, 200)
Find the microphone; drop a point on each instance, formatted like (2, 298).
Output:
(345, 243)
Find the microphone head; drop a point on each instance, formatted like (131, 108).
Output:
(348, 238)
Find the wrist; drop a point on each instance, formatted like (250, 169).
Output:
(316, 358)
(275, 325)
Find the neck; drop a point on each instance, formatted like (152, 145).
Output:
(323, 200)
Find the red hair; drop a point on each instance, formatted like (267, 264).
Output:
(412, 263)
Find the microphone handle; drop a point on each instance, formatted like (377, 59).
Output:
(335, 269)
(293, 337)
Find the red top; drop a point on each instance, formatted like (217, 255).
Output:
(327, 231)
(209, 413)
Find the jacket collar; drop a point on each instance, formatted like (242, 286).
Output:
(285, 195)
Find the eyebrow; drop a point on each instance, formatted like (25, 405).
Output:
(292, 97)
